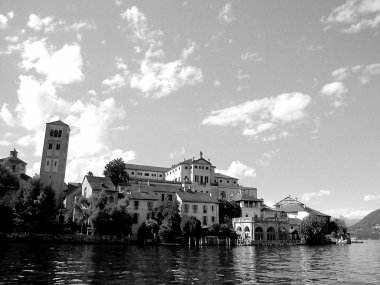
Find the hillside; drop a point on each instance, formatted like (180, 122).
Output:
(349, 222)
(368, 227)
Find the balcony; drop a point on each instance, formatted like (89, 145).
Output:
(259, 219)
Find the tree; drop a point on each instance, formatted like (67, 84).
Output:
(228, 211)
(8, 180)
(111, 219)
(7, 216)
(337, 228)
(312, 230)
(169, 220)
(147, 230)
(191, 227)
(90, 173)
(116, 170)
(34, 207)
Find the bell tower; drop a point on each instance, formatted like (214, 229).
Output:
(54, 157)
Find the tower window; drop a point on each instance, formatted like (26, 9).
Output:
(60, 133)
(51, 133)
(55, 133)
(58, 147)
(47, 162)
(50, 145)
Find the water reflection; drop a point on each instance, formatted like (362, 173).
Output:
(97, 264)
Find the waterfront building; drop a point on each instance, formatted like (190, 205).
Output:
(199, 205)
(15, 164)
(297, 210)
(54, 157)
(95, 185)
(73, 190)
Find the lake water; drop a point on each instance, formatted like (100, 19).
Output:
(109, 264)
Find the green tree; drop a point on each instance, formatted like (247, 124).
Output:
(228, 211)
(169, 220)
(337, 228)
(7, 216)
(8, 180)
(147, 230)
(312, 230)
(116, 170)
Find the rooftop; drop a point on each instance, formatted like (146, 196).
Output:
(220, 175)
(146, 168)
(245, 197)
(196, 197)
(100, 183)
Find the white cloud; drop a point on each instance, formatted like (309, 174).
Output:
(177, 153)
(309, 196)
(158, 79)
(249, 56)
(262, 116)
(5, 143)
(267, 157)
(25, 140)
(3, 21)
(335, 93)
(355, 15)
(238, 170)
(36, 23)
(6, 115)
(371, 197)
(226, 14)
(349, 213)
(62, 66)
(217, 83)
(242, 76)
(363, 72)
(115, 82)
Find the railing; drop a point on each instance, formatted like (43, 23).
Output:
(259, 219)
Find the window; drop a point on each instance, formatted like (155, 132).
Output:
(55, 133)
(50, 146)
(196, 166)
(196, 178)
(60, 133)
(149, 216)
(195, 208)
(162, 197)
(51, 133)
(47, 162)
(206, 167)
(14, 167)
(185, 167)
(146, 174)
(220, 181)
(223, 195)
(135, 218)
(135, 205)
(154, 175)
(204, 208)
(55, 163)
(204, 220)
(213, 219)
(186, 208)
(228, 181)
(58, 146)
(234, 182)
(160, 175)
(201, 167)
(206, 179)
(132, 172)
(212, 208)
(139, 173)
(150, 205)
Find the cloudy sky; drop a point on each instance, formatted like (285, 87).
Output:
(281, 94)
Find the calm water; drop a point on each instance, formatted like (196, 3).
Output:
(97, 264)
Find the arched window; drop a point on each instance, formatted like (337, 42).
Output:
(55, 133)
(282, 235)
(51, 133)
(271, 234)
(259, 233)
(60, 133)
(247, 232)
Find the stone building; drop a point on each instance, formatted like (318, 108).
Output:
(15, 164)
(54, 157)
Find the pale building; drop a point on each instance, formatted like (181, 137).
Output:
(93, 186)
(297, 210)
(145, 172)
(15, 164)
(54, 157)
(201, 206)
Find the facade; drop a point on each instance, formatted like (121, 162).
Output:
(15, 164)
(201, 206)
(74, 190)
(297, 210)
(54, 157)
(94, 185)
(145, 172)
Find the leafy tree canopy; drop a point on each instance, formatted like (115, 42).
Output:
(116, 170)
(191, 227)
(313, 230)
(8, 180)
(228, 211)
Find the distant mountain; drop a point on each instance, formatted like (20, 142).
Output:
(368, 227)
(349, 222)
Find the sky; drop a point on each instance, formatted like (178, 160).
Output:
(283, 95)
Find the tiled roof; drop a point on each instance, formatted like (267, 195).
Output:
(59, 122)
(153, 188)
(100, 183)
(136, 195)
(290, 208)
(25, 177)
(245, 197)
(196, 197)
(146, 168)
(220, 175)
(11, 158)
(294, 221)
